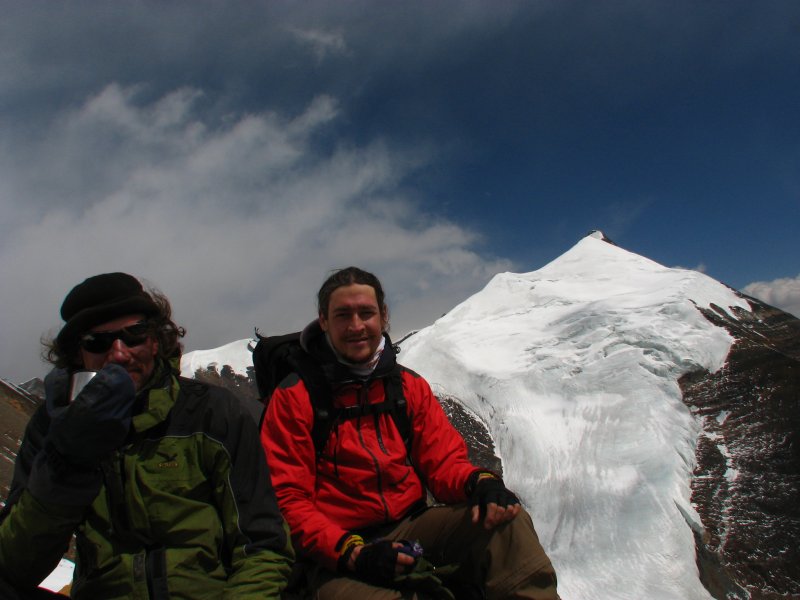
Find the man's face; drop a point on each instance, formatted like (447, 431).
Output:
(354, 322)
(138, 358)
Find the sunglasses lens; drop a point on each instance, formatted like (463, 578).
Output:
(101, 341)
(137, 330)
(96, 343)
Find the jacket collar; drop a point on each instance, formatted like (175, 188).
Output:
(157, 399)
(313, 341)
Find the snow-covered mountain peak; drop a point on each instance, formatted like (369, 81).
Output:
(597, 234)
(585, 305)
(574, 368)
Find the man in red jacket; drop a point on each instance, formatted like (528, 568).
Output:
(352, 504)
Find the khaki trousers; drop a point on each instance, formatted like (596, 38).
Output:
(506, 562)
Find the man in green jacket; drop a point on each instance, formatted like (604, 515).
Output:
(162, 479)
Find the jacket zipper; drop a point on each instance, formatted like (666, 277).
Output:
(150, 566)
(363, 397)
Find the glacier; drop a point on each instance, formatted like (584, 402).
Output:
(574, 369)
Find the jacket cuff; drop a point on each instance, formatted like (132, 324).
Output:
(476, 476)
(345, 547)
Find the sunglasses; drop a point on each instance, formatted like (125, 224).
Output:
(99, 342)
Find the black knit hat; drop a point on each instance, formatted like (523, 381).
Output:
(102, 298)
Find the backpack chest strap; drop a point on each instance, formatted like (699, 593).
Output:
(352, 412)
(394, 405)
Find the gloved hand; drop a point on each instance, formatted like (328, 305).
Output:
(376, 563)
(96, 422)
(488, 488)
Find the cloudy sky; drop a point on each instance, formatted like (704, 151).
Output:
(233, 153)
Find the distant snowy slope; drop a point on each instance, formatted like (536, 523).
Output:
(574, 368)
(237, 355)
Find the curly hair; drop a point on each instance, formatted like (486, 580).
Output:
(166, 332)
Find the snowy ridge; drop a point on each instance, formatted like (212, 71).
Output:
(237, 355)
(574, 368)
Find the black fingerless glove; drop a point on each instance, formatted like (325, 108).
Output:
(486, 488)
(376, 563)
(96, 422)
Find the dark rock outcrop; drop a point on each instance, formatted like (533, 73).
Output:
(480, 446)
(746, 485)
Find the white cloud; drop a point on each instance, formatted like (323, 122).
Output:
(238, 223)
(322, 43)
(783, 293)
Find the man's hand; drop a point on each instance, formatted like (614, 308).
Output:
(493, 500)
(380, 562)
(97, 422)
(81, 435)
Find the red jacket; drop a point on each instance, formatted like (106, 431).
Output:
(362, 477)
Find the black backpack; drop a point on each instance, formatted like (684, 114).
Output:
(276, 357)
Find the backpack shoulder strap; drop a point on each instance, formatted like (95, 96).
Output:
(320, 395)
(393, 386)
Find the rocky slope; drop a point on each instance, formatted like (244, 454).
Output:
(746, 485)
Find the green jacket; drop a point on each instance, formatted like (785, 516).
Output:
(185, 507)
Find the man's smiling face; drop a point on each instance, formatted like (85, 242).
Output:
(354, 322)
